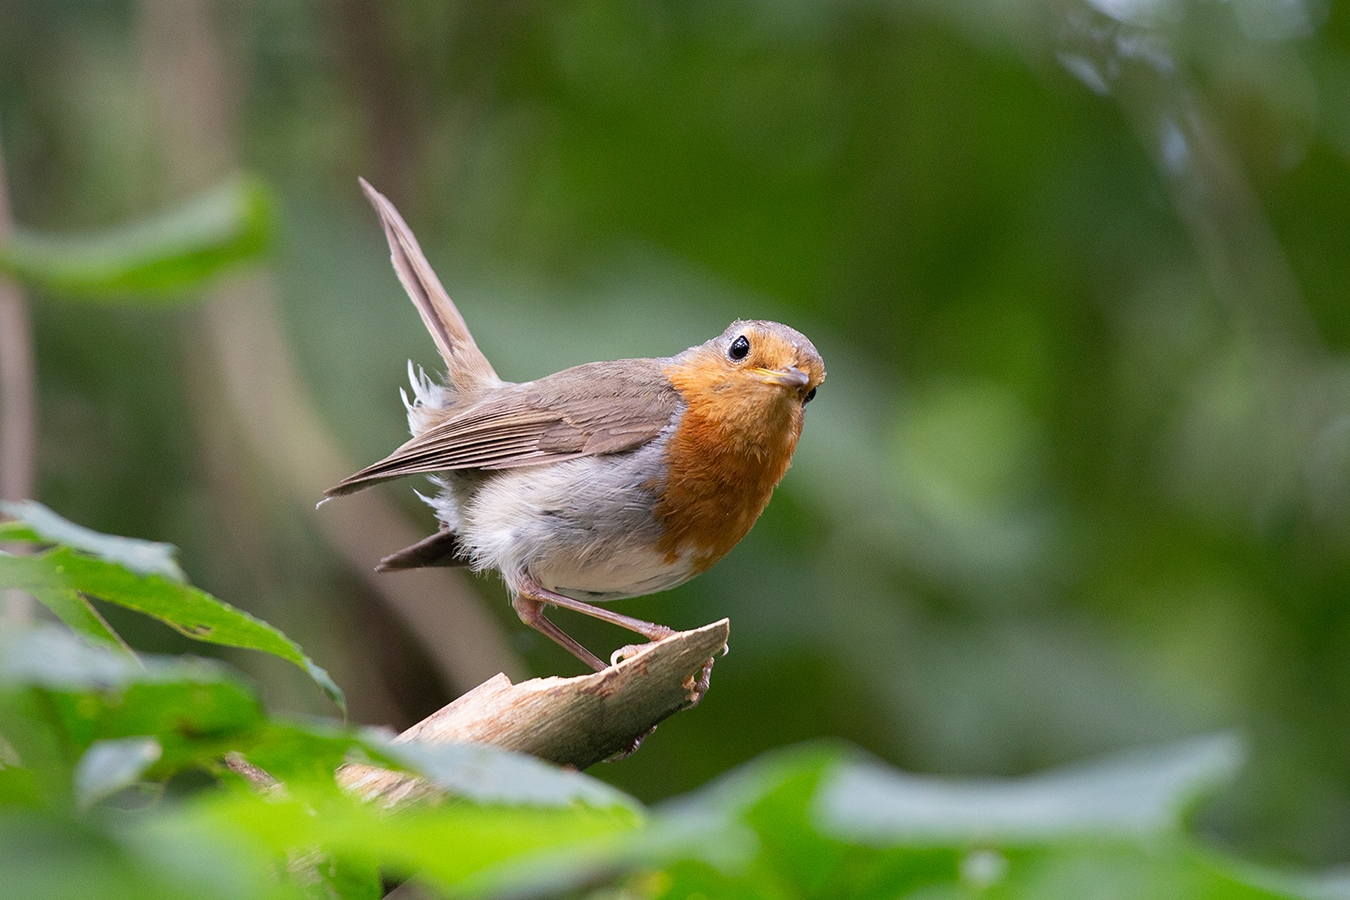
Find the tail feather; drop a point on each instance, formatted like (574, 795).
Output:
(440, 549)
(466, 366)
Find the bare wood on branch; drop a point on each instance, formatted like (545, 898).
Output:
(569, 721)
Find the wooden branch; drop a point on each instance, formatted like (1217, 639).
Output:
(569, 721)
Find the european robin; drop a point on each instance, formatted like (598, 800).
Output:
(600, 482)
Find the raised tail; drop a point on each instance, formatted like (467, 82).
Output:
(466, 366)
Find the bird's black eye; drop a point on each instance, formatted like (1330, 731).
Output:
(810, 395)
(739, 348)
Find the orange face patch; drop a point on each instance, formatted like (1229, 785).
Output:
(732, 446)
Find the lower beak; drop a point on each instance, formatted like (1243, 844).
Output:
(792, 376)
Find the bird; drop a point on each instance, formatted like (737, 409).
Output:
(603, 481)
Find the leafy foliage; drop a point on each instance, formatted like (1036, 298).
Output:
(171, 253)
(1080, 476)
(138, 575)
(114, 783)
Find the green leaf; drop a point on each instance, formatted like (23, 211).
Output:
(47, 657)
(738, 792)
(17, 532)
(110, 765)
(1138, 793)
(193, 612)
(20, 787)
(305, 751)
(748, 833)
(59, 696)
(1062, 843)
(499, 781)
(723, 848)
(197, 709)
(445, 843)
(172, 252)
(82, 618)
(96, 694)
(45, 526)
(490, 775)
(348, 880)
(46, 856)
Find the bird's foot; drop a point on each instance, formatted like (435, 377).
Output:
(697, 687)
(629, 651)
(632, 746)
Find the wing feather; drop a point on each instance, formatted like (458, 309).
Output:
(588, 410)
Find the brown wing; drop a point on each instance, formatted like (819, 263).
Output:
(589, 410)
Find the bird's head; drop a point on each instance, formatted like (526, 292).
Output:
(753, 375)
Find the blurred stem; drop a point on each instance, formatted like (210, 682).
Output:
(248, 373)
(1210, 192)
(392, 122)
(18, 405)
(254, 367)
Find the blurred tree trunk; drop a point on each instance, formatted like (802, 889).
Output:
(249, 379)
(18, 398)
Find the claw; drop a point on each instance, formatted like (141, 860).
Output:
(700, 687)
(632, 746)
(628, 651)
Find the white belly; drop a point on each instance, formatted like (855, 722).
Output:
(583, 527)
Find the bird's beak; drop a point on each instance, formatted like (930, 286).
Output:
(792, 376)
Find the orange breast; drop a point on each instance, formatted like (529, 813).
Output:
(732, 446)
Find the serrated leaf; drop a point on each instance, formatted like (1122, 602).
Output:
(110, 765)
(1128, 795)
(196, 709)
(187, 609)
(45, 526)
(83, 619)
(172, 252)
(47, 657)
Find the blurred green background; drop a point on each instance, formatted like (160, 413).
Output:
(1079, 478)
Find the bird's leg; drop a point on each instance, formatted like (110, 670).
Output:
(531, 596)
(531, 612)
(529, 602)
(650, 630)
(704, 682)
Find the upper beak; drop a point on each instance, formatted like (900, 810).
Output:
(790, 377)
